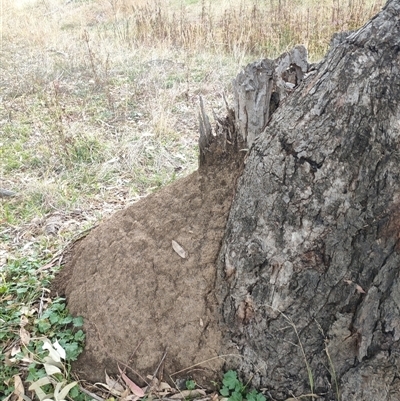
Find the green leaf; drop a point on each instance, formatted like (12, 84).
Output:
(77, 321)
(72, 350)
(239, 387)
(230, 379)
(190, 384)
(35, 373)
(236, 396)
(260, 397)
(54, 318)
(253, 395)
(66, 320)
(80, 336)
(74, 392)
(224, 391)
(43, 326)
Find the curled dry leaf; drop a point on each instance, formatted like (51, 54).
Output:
(179, 250)
(53, 353)
(60, 392)
(163, 386)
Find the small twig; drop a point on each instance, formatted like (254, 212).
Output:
(151, 384)
(159, 365)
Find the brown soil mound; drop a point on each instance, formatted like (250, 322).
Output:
(138, 297)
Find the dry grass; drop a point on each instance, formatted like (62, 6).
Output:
(100, 98)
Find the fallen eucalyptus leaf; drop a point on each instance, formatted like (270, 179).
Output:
(134, 387)
(36, 387)
(64, 392)
(59, 349)
(51, 369)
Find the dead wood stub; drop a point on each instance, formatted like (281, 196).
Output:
(262, 86)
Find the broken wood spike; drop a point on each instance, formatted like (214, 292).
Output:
(221, 144)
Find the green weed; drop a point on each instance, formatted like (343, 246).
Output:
(28, 320)
(235, 390)
(190, 384)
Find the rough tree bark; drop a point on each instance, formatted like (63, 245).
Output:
(308, 274)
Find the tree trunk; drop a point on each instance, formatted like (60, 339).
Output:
(308, 273)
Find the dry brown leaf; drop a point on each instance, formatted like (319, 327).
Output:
(18, 388)
(49, 265)
(24, 336)
(9, 361)
(126, 394)
(178, 249)
(134, 387)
